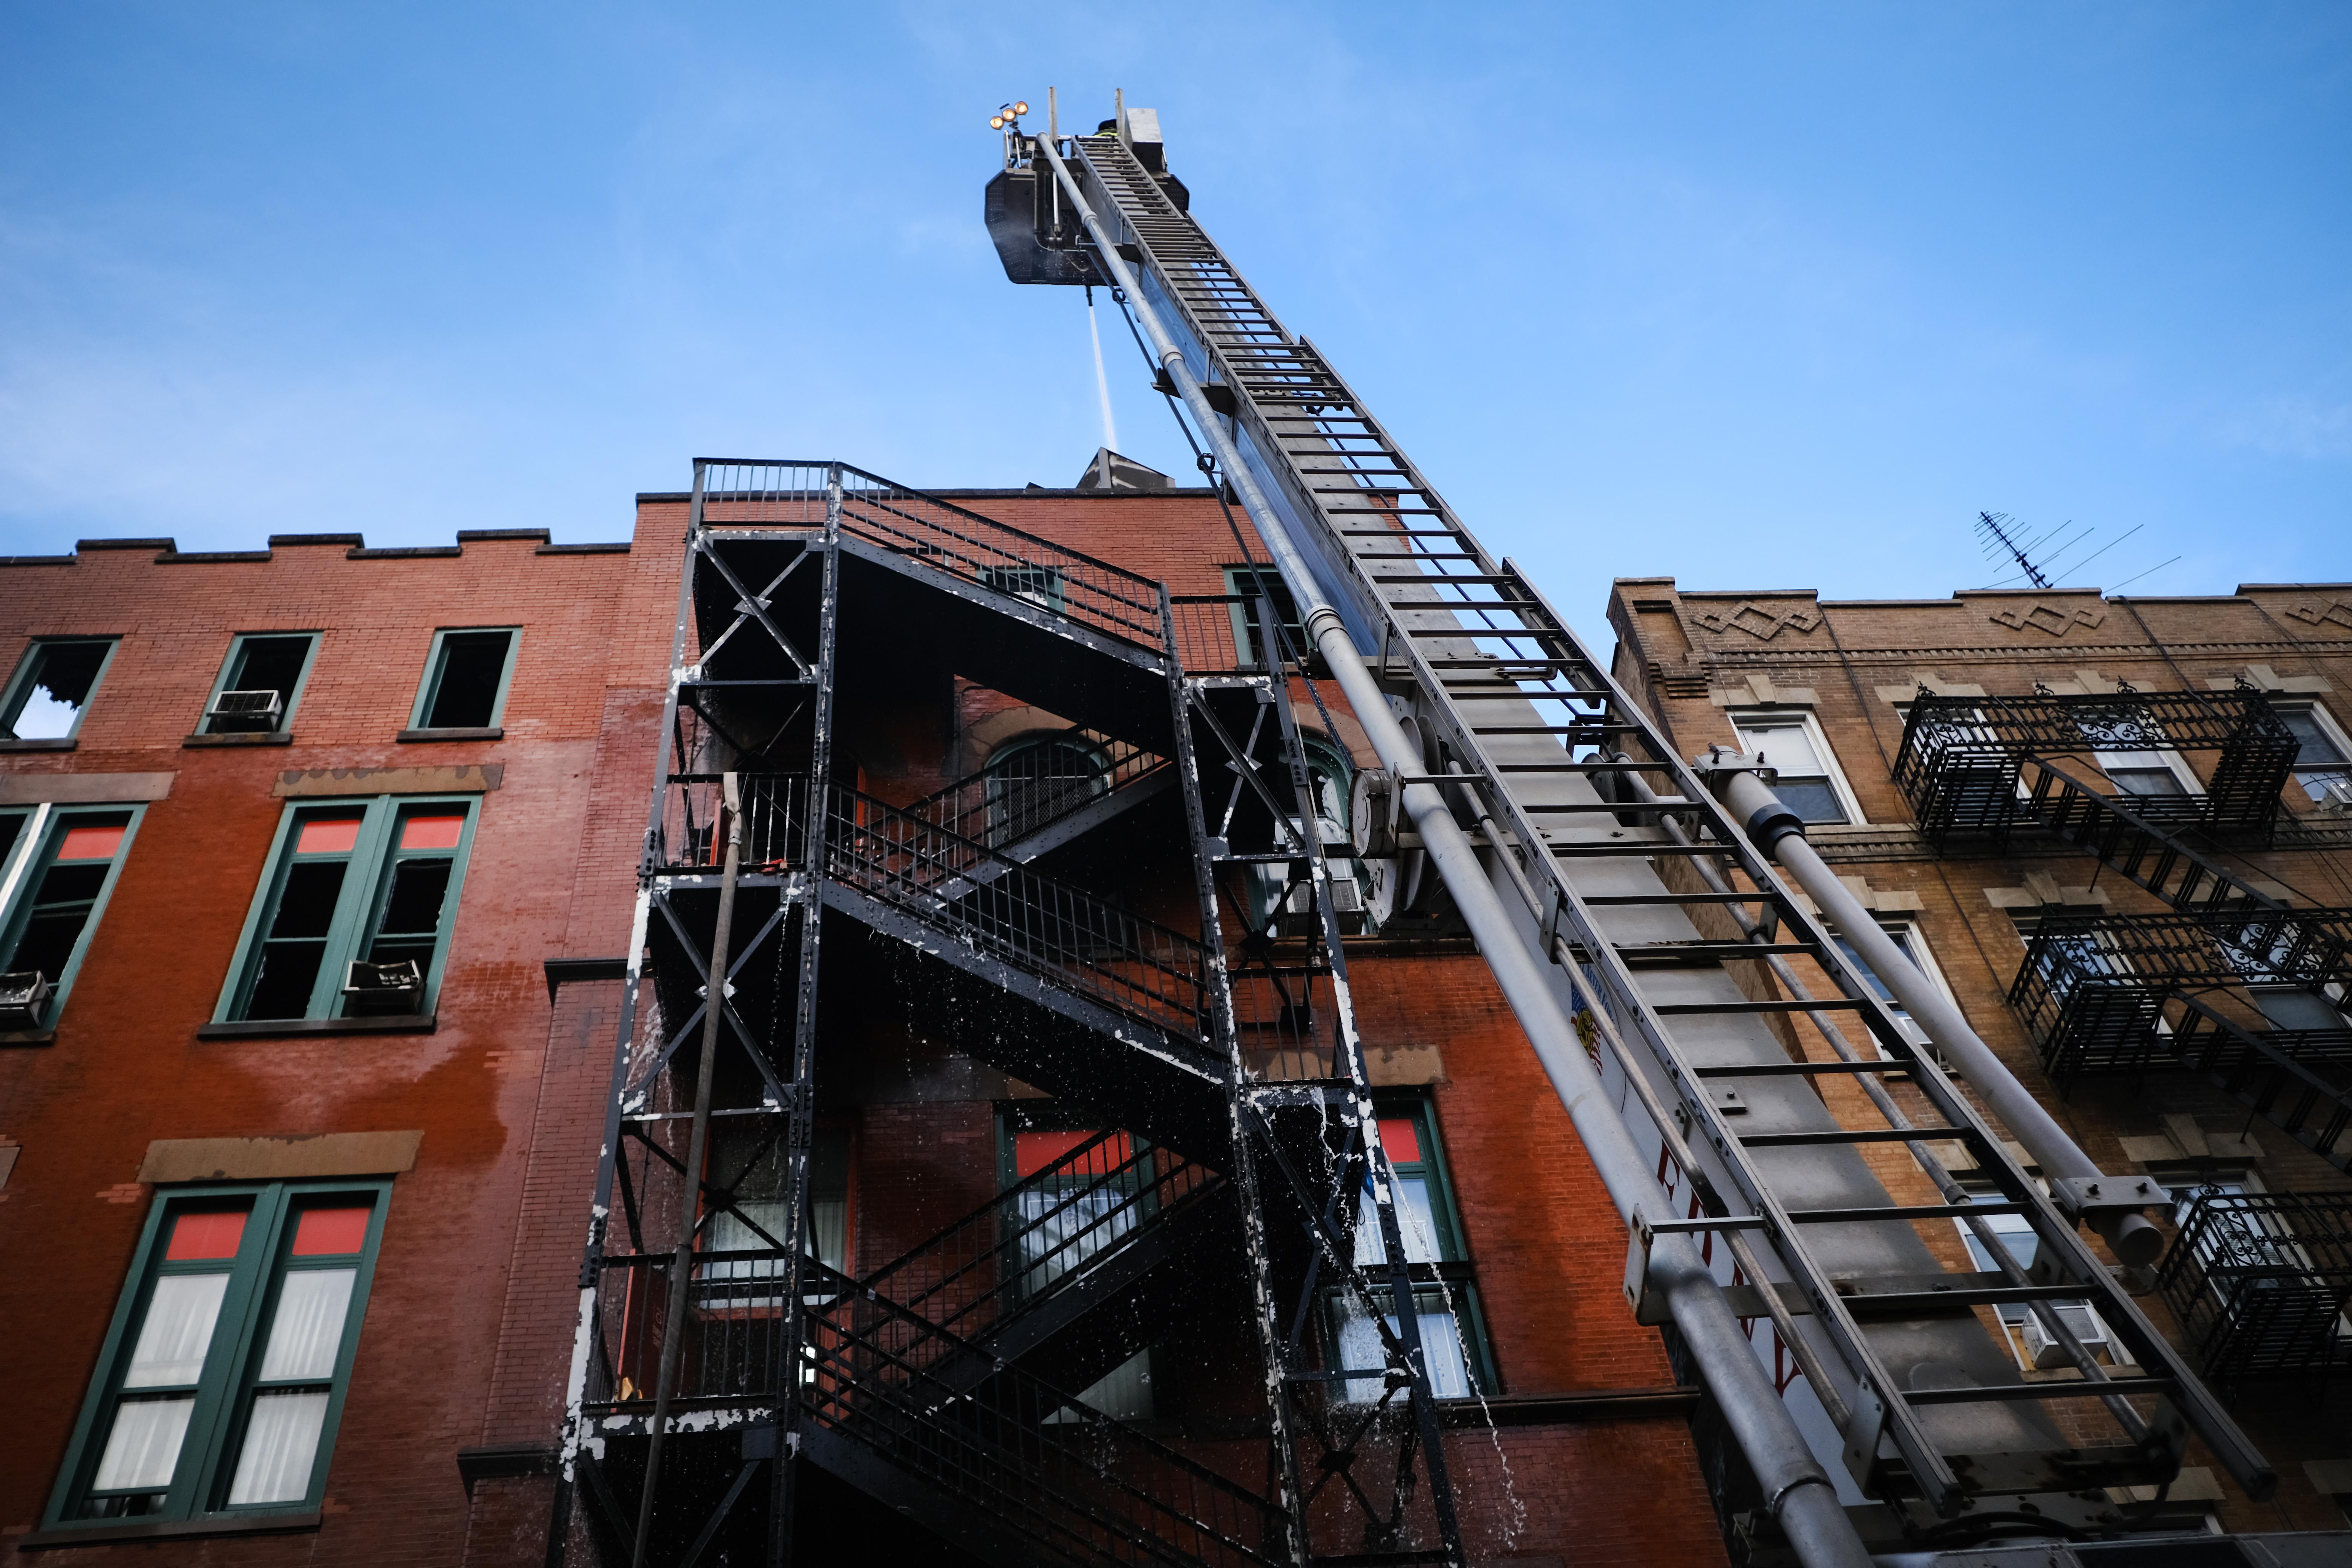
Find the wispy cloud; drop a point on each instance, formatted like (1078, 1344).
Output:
(2294, 426)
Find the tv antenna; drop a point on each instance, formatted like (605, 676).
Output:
(1993, 528)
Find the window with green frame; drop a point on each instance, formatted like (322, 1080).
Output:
(466, 673)
(222, 1375)
(58, 864)
(370, 881)
(1063, 1221)
(260, 667)
(1248, 582)
(46, 698)
(1445, 1293)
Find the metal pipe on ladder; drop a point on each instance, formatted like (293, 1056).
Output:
(2074, 1176)
(1800, 1495)
(681, 1269)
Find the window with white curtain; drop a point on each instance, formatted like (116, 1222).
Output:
(1444, 1287)
(225, 1370)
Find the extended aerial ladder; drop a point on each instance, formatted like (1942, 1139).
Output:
(1790, 1196)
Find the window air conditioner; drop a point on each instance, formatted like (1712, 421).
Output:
(247, 710)
(23, 997)
(2080, 1320)
(381, 988)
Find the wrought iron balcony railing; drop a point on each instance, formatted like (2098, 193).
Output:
(2260, 1283)
(1963, 758)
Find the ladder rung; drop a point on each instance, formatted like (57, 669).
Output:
(1596, 727)
(1851, 1135)
(1462, 577)
(1792, 1070)
(1683, 1009)
(1609, 900)
(1596, 807)
(2065, 1388)
(1712, 949)
(1635, 847)
(1567, 769)
(1462, 692)
(1902, 1212)
(1908, 1302)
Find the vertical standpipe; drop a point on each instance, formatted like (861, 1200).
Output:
(1798, 1493)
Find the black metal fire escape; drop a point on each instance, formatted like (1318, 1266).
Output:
(719, 1359)
(2228, 981)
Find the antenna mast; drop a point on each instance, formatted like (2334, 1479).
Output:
(1988, 527)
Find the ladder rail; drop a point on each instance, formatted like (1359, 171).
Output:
(1494, 605)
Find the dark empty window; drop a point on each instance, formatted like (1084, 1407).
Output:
(259, 684)
(466, 679)
(62, 883)
(1248, 584)
(359, 891)
(52, 689)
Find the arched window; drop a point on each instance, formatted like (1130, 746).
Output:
(1034, 779)
(1333, 781)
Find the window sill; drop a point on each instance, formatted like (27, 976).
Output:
(243, 738)
(279, 1028)
(166, 1529)
(64, 744)
(489, 733)
(47, 1037)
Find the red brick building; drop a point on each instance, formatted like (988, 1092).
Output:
(327, 861)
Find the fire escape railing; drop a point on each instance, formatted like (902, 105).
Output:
(1000, 810)
(1962, 758)
(1067, 937)
(994, 555)
(1041, 1236)
(2123, 993)
(2262, 1281)
(1085, 1487)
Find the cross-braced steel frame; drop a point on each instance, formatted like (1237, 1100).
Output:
(733, 883)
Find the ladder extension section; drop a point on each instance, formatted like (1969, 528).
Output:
(1638, 896)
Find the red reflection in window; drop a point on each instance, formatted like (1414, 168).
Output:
(212, 1234)
(329, 1230)
(1033, 1152)
(430, 832)
(1402, 1139)
(91, 843)
(335, 835)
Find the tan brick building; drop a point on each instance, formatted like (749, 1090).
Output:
(2153, 779)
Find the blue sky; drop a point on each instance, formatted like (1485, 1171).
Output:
(1754, 295)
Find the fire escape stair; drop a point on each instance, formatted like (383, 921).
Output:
(1069, 1271)
(1008, 1466)
(1098, 1005)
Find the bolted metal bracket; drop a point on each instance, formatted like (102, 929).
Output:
(1768, 825)
(2083, 1198)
